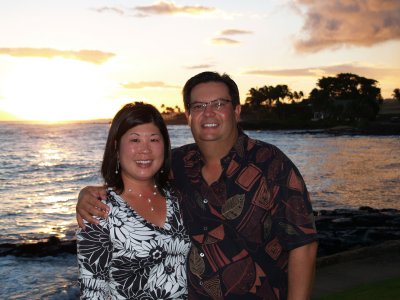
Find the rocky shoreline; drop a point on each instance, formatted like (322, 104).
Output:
(339, 230)
(374, 128)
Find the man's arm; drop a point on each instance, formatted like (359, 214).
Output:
(301, 271)
(89, 205)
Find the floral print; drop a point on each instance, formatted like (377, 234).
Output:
(126, 257)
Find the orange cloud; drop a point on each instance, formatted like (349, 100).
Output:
(146, 84)
(224, 41)
(235, 32)
(368, 71)
(202, 66)
(170, 8)
(110, 9)
(92, 56)
(336, 23)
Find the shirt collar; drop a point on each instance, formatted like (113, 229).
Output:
(238, 150)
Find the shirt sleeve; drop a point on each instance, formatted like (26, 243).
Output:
(94, 251)
(294, 219)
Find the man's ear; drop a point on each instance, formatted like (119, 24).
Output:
(187, 115)
(238, 109)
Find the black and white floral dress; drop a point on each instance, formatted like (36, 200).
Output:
(126, 257)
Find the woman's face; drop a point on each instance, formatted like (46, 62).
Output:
(141, 152)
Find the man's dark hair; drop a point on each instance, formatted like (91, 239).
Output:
(210, 77)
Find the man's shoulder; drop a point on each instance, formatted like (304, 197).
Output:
(259, 144)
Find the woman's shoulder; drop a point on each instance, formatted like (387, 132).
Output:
(113, 198)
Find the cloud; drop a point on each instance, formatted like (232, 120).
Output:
(146, 84)
(337, 23)
(202, 66)
(170, 8)
(92, 56)
(235, 32)
(362, 70)
(224, 41)
(110, 9)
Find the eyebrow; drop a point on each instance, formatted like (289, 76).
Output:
(200, 101)
(151, 134)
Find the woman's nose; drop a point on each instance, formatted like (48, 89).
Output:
(145, 147)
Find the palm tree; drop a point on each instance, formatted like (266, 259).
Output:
(396, 94)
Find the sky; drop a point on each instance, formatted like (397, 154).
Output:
(84, 59)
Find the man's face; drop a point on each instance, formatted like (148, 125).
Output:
(216, 121)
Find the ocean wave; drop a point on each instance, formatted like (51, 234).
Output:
(39, 277)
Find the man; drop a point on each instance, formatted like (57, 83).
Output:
(244, 203)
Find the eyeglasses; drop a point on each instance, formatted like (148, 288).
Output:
(217, 104)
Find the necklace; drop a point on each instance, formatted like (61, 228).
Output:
(149, 200)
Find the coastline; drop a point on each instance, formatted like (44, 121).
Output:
(381, 127)
(339, 230)
(387, 122)
(356, 247)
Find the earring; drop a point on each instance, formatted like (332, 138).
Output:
(161, 171)
(117, 168)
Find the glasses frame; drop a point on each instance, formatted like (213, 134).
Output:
(215, 105)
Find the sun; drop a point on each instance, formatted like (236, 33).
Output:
(57, 89)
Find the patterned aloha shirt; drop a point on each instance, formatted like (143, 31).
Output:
(243, 225)
(126, 257)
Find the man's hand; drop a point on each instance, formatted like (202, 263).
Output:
(89, 205)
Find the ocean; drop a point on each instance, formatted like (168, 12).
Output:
(43, 167)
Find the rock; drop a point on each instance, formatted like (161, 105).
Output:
(52, 247)
(338, 230)
(344, 229)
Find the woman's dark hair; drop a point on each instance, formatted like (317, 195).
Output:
(207, 77)
(129, 116)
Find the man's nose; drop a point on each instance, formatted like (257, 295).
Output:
(209, 109)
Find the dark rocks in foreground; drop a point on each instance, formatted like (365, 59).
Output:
(339, 230)
(52, 247)
(348, 229)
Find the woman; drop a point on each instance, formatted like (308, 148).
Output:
(140, 250)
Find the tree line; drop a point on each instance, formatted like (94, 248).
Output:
(345, 97)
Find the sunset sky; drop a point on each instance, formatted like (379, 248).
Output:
(83, 59)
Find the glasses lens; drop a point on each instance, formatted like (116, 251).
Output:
(197, 106)
(216, 104)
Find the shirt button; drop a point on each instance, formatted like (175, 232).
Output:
(201, 254)
(205, 201)
(205, 228)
